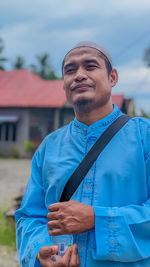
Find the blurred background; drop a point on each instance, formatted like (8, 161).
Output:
(34, 37)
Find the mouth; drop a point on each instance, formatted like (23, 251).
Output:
(81, 87)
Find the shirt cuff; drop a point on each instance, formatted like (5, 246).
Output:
(105, 243)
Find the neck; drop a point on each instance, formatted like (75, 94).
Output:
(89, 116)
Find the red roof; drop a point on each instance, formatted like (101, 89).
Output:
(22, 88)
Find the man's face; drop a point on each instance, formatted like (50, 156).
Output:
(86, 77)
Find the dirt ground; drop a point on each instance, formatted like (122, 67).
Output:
(14, 175)
(8, 258)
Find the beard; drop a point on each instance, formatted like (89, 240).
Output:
(87, 105)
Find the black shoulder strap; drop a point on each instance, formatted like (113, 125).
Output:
(91, 156)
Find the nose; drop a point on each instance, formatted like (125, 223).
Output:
(80, 75)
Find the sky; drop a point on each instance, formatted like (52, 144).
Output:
(31, 28)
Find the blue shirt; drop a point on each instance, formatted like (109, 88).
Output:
(117, 186)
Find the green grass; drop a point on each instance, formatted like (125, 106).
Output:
(7, 230)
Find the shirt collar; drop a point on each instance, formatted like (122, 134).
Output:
(77, 125)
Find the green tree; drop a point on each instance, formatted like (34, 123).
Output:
(147, 57)
(19, 63)
(2, 59)
(44, 68)
(144, 114)
(52, 76)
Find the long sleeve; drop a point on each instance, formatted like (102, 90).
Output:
(123, 233)
(117, 186)
(31, 218)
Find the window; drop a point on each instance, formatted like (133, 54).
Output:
(8, 131)
(8, 127)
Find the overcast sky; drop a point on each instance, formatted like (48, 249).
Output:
(31, 28)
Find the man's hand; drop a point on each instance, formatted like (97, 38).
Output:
(70, 259)
(70, 217)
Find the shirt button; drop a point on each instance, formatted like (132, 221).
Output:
(85, 129)
(112, 242)
(88, 187)
(89, 174)
(111, 226)
(111, 213)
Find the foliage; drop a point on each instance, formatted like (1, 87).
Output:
(19, 63)
(7, 230)
(144, 114)
(2, 68)
(2, 59)
(29, 146)
(44, 68)
(52, 76)
(147, 57)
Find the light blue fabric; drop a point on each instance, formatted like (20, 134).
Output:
(117, 186)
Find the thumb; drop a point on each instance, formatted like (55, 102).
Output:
(53, 250)
(47, 251)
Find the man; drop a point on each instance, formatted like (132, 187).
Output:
(109, 213)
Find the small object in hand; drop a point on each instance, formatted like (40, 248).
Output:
(63, 242)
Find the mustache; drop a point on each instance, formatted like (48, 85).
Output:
(80, 85)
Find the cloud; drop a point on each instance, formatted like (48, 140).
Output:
(68, 8)
(133, 6)
(30, 39)
(31, 28)
(134, 79)
(34, 27)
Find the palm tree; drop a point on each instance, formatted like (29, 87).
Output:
(44, 69)
(2, 59)
(147, 57)
(19, 63)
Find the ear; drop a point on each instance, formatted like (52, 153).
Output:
(113, 77)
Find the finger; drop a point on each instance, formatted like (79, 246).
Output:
(38, 257)
(47, 251)
(57, 231)
(66, 258)
(52, 215)
(75, 260)
(53, 224)
(78, 260)
(55, 206)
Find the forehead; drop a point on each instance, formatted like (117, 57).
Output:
(82, 53)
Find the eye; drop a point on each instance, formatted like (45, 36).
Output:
(70, 70)
(91, 67)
